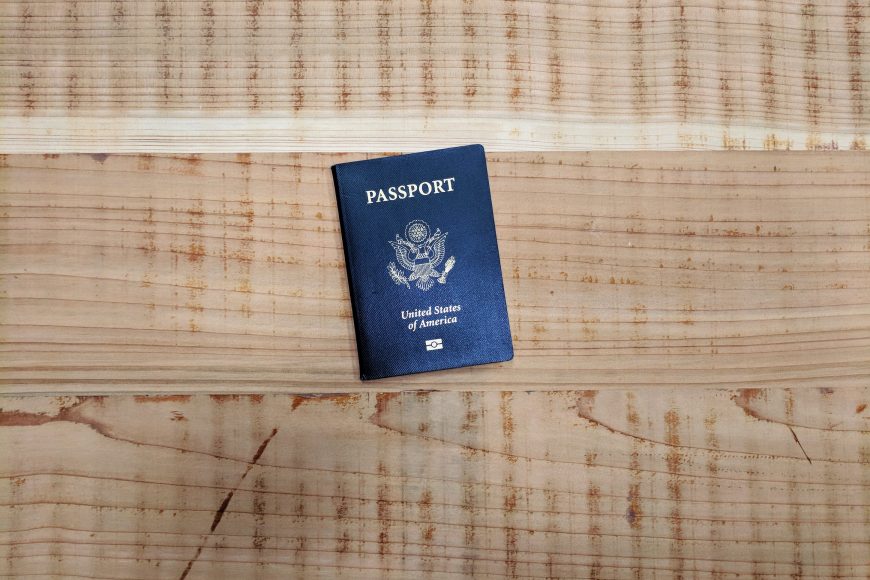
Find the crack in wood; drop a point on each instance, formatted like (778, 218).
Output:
(798, 441)
(219, 514)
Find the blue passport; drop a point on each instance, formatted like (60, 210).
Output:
(422, 262)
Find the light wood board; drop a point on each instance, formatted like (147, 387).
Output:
(226, 273)
(371, 75)
(711, 484)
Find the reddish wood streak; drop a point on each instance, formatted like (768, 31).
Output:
(430, 93)
(341, 400)
(683, 81)
(231, 398)
(162, 398)
(674, 460)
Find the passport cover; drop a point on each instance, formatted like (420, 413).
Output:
(422, 262)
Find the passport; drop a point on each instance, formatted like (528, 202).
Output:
(422, 262)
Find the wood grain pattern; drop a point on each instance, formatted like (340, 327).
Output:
(225, 273)
(761, 483)
(115, 75)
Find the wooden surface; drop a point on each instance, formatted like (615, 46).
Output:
(178, 379)
(749, 483)
(225, 273)
(350, 75)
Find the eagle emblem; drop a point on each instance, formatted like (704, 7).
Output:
(420, 253)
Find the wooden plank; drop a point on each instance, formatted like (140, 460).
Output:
(762, 483)
(225, 273)
(515, 75)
